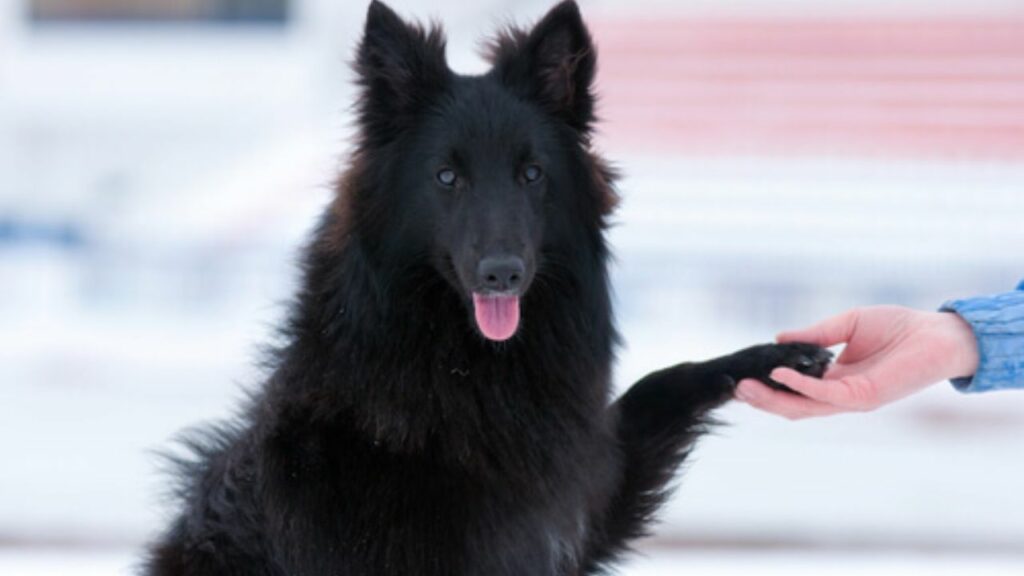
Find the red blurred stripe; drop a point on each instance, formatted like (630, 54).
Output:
(699, 68)
(798, 35)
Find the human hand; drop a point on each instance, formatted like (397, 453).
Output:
(891, 352)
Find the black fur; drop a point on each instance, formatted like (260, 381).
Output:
(391, 437)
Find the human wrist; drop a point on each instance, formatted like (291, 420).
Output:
(962, 349)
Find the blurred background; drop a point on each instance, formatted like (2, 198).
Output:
(161, 162)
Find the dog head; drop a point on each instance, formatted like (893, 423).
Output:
(488, 178)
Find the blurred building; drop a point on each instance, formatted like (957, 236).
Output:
(158, 10)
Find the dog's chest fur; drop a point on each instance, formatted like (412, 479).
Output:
(378, 512)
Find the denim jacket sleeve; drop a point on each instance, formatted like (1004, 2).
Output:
(998, 325)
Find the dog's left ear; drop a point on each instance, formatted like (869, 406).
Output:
(554, 63)
(401, 68)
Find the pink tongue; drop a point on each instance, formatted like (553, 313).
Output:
(496, 316)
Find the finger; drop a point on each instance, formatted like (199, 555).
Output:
(839, 370)
(846, 392)
(835, 330)
(784, 404)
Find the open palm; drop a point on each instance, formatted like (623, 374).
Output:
(891, 352)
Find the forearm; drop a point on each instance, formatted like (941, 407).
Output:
(659, 419)
(998, 325)
(675, 394)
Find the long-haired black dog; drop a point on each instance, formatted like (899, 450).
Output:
(442, 404)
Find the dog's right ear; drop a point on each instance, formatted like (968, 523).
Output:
(400, 67)
(553, 64)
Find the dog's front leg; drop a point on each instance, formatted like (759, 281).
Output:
(658, 420)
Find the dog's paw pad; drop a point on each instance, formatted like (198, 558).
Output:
(808, 359)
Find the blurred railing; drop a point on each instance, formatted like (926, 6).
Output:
(880, 87)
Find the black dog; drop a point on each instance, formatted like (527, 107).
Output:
(441, 405)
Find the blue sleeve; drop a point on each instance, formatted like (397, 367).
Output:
(998, 325)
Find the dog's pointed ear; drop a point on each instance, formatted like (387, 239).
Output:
(400, 67)
(554, 63)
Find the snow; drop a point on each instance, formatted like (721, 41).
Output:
(653, 563)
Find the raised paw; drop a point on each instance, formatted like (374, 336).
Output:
(808, 359)
(759, 361)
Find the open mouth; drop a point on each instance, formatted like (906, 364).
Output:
(497, 315)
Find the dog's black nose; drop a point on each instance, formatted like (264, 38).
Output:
(500, 273)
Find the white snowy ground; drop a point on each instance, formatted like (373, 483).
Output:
(661, 563)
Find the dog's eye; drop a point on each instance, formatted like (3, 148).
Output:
(532, 173)
(446, 176)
